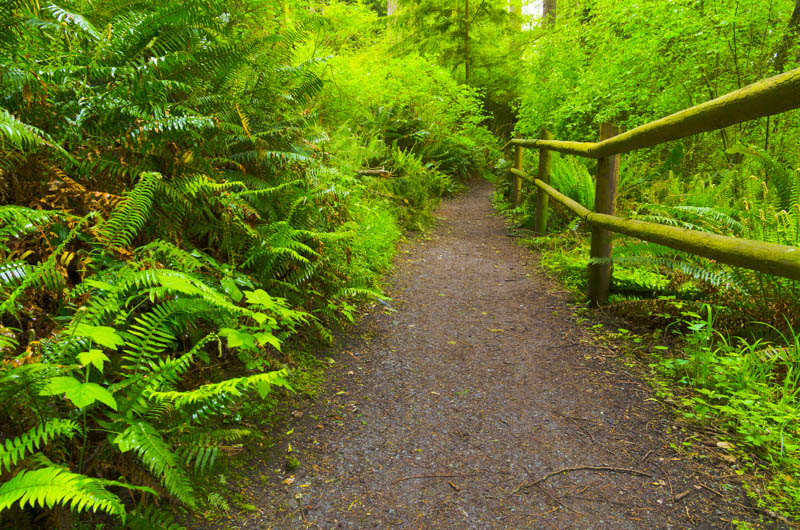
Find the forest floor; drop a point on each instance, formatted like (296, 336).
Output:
(475, 400)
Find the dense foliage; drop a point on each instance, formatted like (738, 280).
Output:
(191, 192)
(630, 63)
(187, 192)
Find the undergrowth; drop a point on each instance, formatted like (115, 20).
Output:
(185, 211)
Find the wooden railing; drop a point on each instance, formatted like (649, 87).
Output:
(766, 98)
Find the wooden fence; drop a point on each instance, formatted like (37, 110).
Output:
(765, 98)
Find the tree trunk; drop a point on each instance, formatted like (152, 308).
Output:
(466, 41)
(391, 7)
(792, 30)
(549, 13)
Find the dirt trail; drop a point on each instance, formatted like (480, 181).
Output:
(444, 413)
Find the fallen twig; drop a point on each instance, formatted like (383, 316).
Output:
(715, 492)
(580, 468)
(680, 496)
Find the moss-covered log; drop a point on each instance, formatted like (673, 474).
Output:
(765, 98)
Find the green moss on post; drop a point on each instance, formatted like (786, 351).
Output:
(605, 200)
(517, 179)
(542, 199)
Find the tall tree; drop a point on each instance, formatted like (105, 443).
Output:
(549, 12)
(789, 38)
(466, 41)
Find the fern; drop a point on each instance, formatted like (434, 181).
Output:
(786, 181)
(14, 449)
(75, 20)
(15, 134)
(570, 177)
(131, 215)
(159, 371)
(145, 440)
(45, 272)
(18, 221)
(13, 272)
(49, 486)
(234, 387)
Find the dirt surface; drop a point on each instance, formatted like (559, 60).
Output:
(456, 406)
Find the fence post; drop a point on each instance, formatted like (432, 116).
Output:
(542, 198)
(605, 198)
(517, 179)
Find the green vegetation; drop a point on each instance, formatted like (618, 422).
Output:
(189, 196)
(629, 63)
(193, 193)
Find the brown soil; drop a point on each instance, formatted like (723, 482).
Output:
(455, 407)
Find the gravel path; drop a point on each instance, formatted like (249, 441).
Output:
(456, 409)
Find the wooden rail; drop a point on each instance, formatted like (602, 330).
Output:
(765, 98)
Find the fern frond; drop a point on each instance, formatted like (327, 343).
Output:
(13, 272)
(360, 292)
(160, 371)
(15, 449)
(173, 256)
(202, 456)
(715, 277)
(235, 387)
(155, 453)
(131, 215)
(17, 221)
(73, 19)
(22, 136)
(45, 270)
(49, 486)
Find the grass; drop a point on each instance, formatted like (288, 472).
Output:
(749, 389)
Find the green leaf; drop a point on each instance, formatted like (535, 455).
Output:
(95, 392)
(60, 385)
(102, 335)
(94, 357)
(263, 388)
(268, 338)
(97, 284)
(81, 394)
(231, 289)
(238, 339)
(177, 284)
(260, 297)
